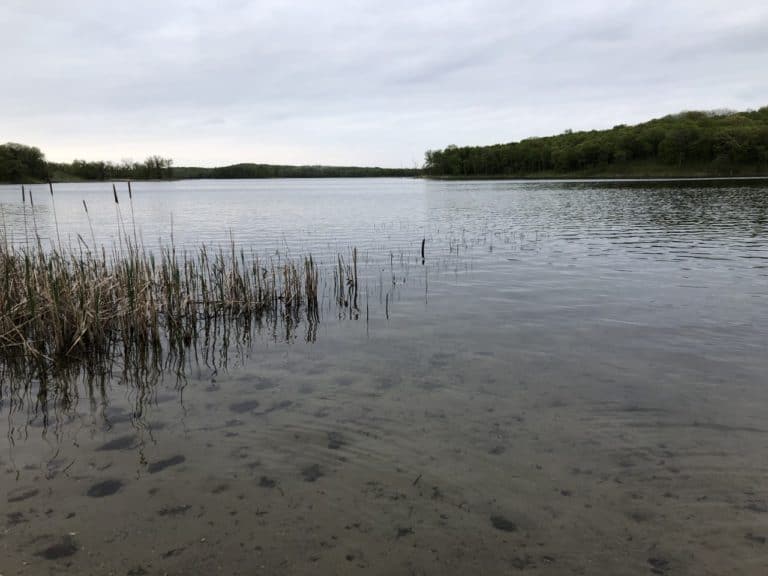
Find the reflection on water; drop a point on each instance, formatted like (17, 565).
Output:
(572, 383)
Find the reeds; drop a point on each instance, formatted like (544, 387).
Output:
(64, 303)
(345, 283)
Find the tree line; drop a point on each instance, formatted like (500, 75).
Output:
(714, 143)
(287, 171)
(22, 164)
(153, 168)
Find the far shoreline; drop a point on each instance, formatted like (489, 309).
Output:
(436, 178)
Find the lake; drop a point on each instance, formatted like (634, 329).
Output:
(572, 381)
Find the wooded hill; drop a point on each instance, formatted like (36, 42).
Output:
(715, 143)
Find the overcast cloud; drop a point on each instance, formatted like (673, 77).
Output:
(360, 82)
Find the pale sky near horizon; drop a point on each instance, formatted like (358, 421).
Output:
(348, 82)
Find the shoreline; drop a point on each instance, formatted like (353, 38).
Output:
(572, 178)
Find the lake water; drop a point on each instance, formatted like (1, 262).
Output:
(572, 382)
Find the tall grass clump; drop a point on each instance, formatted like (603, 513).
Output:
(65, 302)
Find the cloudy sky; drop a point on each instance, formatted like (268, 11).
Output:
(360, 82)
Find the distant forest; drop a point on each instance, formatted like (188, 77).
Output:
(22, 164)
(716, 143)
(281, 171)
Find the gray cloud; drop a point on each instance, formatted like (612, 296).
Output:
(360, 82)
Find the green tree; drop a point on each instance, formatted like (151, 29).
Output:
(20, 163)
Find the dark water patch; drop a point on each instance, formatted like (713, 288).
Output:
(21, 494)
(221, 488)
(161, 465)
(634, 408)
(503, 523)
(345, 381)
(105, 488)
(63, 549)
(403, 531)
(282, 405)
(658, 565)
(15, 518)
(244, 406)
(312, 472)
(726, 428)
(262, 383)
(641, 516)
(267, 482)
(122, 443)
(174, 510)
(173, 552)
(335, 440)
(522, 562)
(756, 505)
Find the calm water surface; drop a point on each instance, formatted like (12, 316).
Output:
(573, 382)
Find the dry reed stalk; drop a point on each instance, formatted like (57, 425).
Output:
(64, 304)
(55, 218)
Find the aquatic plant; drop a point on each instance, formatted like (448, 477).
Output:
(64, 302)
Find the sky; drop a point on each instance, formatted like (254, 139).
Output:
(358, 82)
